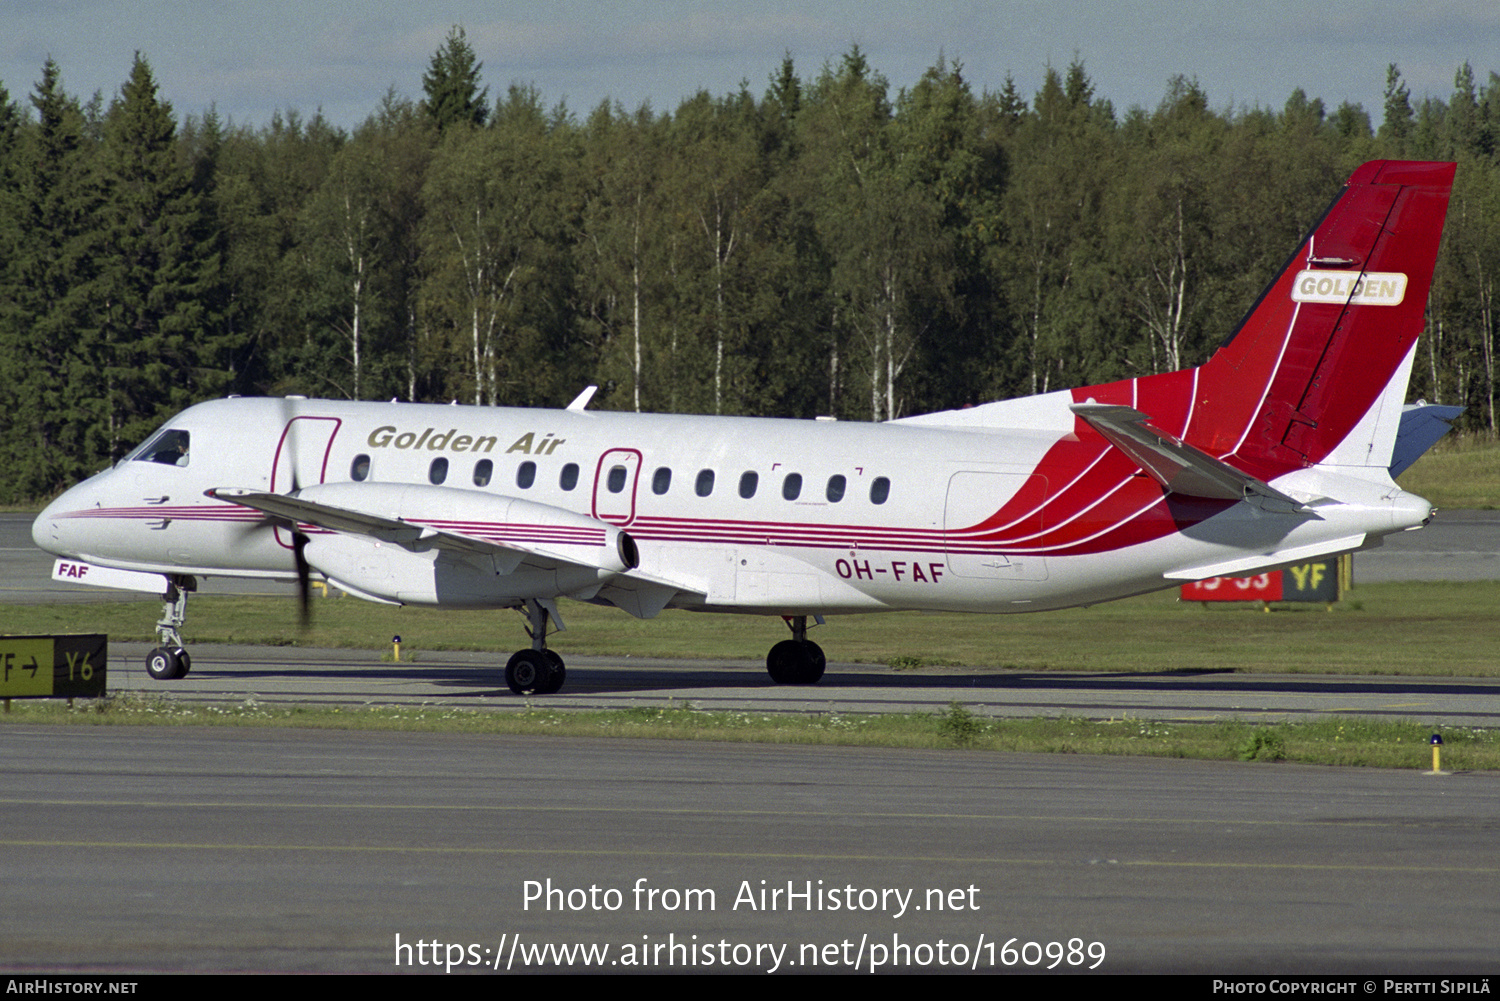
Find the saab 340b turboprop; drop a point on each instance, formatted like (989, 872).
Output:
(1274, 452)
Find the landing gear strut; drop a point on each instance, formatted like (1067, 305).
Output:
(536, 670)
(170, 661)
(797, 661)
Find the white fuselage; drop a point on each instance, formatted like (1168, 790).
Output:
(729, 514)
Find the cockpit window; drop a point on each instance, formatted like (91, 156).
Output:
(169, 447)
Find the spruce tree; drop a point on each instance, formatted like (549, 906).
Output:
(47, 367)
(159, 271)
(1396, 128)
(12, 324)
(451, 84)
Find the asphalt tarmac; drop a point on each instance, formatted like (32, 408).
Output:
(169, 849)
(297, 676)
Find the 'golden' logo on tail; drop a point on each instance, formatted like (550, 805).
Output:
(1358, 288)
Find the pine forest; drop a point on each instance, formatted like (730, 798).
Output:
(827, 245)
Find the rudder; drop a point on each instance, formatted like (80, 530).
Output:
(1328, 345)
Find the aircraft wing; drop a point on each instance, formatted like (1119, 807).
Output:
(515, 534)
(1176, 465)
(337, 519)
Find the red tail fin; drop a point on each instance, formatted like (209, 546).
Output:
(1323, 342)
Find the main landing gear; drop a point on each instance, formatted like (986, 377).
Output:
(170, 661)
(536, 670)
(797, 661)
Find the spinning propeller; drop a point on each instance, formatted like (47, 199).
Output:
(304, 579)
(289, 453)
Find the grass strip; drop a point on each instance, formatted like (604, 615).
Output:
(1330, 741)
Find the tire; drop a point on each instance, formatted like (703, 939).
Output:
(781, 662)
(791, 662)
(163, 664)
(556, 676)
(814, 665)
(528, 672)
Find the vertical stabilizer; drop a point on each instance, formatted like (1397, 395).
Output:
(1317, 371)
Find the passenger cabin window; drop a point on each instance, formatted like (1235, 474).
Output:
(568, 479)
(748, 482)
(359, 469)
(526, 475)
(661, 480)
(616, 480)
(836, 486)
(791, 487)
(705, 484)
(170, 448)
(880, 490)
(438, 471)
(483, 470)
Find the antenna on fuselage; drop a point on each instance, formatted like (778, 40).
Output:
(581, 401)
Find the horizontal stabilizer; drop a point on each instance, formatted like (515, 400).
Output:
(1422, 424)
(1176, 465)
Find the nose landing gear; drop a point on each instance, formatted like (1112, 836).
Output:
(170, 661)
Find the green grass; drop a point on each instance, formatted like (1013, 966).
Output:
(1461, 472)
(1427, 629)
(1345, 741)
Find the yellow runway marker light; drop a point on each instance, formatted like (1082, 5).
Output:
(1436, 740)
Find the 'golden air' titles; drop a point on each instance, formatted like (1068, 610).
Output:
(389, 436)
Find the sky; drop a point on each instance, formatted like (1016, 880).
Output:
(251, 58)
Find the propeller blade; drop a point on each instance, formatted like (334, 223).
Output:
(304, 579)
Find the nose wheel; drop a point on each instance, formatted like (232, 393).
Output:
(170, 662)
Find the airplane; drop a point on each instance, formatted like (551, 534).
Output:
(1276, 451)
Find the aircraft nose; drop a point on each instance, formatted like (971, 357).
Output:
(51, 529)
(44, 530)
